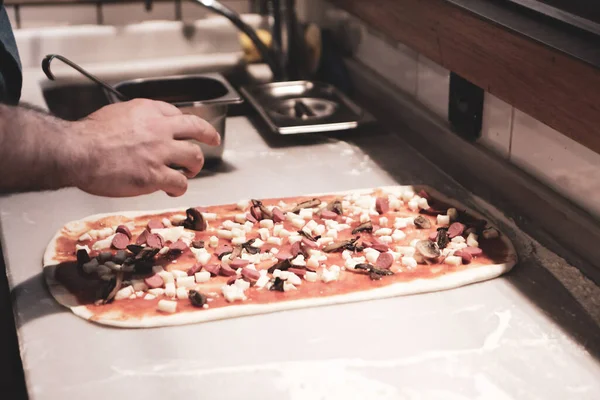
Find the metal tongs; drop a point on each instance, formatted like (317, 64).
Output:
(46, 68)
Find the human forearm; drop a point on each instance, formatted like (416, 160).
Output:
(35, 150)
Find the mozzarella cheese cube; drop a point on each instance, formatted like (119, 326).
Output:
(294, 238)
(262, 282)
(248, 226)
(157, 291)
(409, 262)
(178, 273)
(306, 213)
(408, 194)
(139, 285)
(182, 293)
(329, 275)
(331, 224)
(372, 256)
(288, 286)
(164, 250)
(298, 223)
(458, 239)
(457, 246)
(178, 219)
(324, 240)
(258, 243)
(85, 236)
(266, 223)
(170, 234)
(472, 240)
(202, 276)
(124, 293)
(242, 284)
(240, 218)
(299, 261)
(398, 235)
(166, 222)
(423, 203)
(103, 243)
(224, 234)
(80, 247)
(149, 296)
(413, 205)
(236, 232)
(364, 217)
(209, 216)
(453, 260)
(311, 225)
(170, 290)
(233, 293)
(443, 220)
(395, 203)
(311, 276)
(312, 262)
(157, 268)
(277, 273)
(274, 240)
(346, 254)
(414, 242)
(342, 227)
(405, 250)
(383, 232)
(290, 216)
(400, 223)
(386, 239)
(264, 233)
(332, 233)
(383, 221)
(203, 258)
(239, 240)
(274, 250)
(186, 282)
(242, 205)
(167, 306)
(167, 277)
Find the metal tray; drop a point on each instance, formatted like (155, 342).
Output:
(304, 107)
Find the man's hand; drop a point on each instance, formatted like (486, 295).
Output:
(126, 149)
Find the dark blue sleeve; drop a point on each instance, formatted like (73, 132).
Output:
(11, 78)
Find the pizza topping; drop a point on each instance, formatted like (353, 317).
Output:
(120, 241)
(309, 243)
(375, 273)
(197, 299)
(282, 265)
(186, 281)
(384, 261)
(455, 229)
(264, 211)
(178, 247)
(214, 269)
(194, 220)
(167, 306)
(422, 223)
(340, 245)
(82, 257)
(111, 288)
(474, 251)
(490, 233)
(235, 253)
(154, 224)
(250, 217)
(250, 274)
(377, 244)
(226, 270)
(199, 244)
(142, 238)
(465, 255)
(331, 274)
(154, 281)
(233, 292)
(453, 214)
(194, 269)
(125, 230)
(278, 215)
(306, 204)
(428, 249)
(382, 205)
(277, 285)
(283, 255)
(252, 246)
(223, 250)
(472, 240)
(442, 239)
(155, 241)
(364, 227)
(453, 260)
(238, 263)
(443, 220)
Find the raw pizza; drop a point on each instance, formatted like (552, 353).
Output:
(146, 269)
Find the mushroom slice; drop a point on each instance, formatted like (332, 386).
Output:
(364, 227)
(306, 204)
(195, 220)
(340, 245)
(428, 249)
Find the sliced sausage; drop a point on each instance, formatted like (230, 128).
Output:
(433, 235)
(155, 241)
(232, 280)
(455, 229)
(239, 263)
(154, 281)
(382, 205)
(309, 243)
(226, 270)
(195, 268)
(223, 249)
(178, 246)
(384, 261)
(296, 249)
(120, 241)
(250, 274)
(256, 213)
(278, 215)
(297, 271)
(283, 255)
(327, 214)
(466, 257)
(125, 230)
(214, 269)
(142, 238)
(251, 218)
(474, 251)
(155, 224)
(379, 245)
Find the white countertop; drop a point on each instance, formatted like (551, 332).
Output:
(501, 339)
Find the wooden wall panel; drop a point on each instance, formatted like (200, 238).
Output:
(551, 86)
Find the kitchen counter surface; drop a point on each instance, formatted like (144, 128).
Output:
(522, 336)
